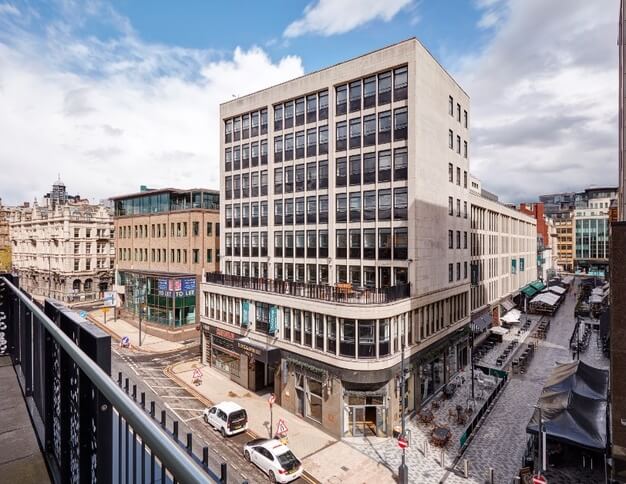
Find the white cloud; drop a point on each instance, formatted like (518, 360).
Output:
(8, 9)
(330, 17)
(110, 116)
(544, 99)
(488, 20)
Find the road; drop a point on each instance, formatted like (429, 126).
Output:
(146, 372)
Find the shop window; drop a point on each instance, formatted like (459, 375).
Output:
(367, 331)
(342, 243)
(331, 335)
(347, 346)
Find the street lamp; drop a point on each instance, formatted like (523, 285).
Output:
(403, 471)
(473, 328)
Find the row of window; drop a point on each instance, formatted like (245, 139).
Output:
(458, 271)
(160, 255)
(458, 207)
(458, 239)
(458, 175)
(99, 233)
(357, 170)
(100, 264)
(246, 155)
(292, 146)
(247, 215)
(367, 244)
(364, 93)
(177, 229)
(349, 134)
(242, 127)
(292, 112)
(245, 185)
(458, 111)
(458, 143)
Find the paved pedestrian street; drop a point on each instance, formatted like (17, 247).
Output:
(501, 440)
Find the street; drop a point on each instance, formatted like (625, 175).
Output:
(146, 372)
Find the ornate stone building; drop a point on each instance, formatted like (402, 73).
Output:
(65, 252)
(5, 243)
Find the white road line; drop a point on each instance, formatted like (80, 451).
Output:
(157, 377)
(150, 387)
(176, 396)
(187, 409)
(192, 418)
(116, 352)
(174, 412)
(166, 387)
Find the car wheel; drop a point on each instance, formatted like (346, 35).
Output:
(272, 477)
(206, 419)
(246, 455)
(223, 432)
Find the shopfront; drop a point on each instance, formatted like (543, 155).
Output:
(249, 363)
(164, 299)
(365, 413)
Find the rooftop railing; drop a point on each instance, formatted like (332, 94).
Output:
(340, 293)
(89, 429)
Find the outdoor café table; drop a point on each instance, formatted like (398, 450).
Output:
(440, 436)
(426, 415)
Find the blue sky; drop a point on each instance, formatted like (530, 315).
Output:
(117, 94)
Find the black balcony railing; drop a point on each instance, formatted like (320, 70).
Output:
(343, 293)
(89, 428)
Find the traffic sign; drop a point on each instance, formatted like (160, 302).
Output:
(271, 399)
(281, 427)
(539, 480)
(125, 341)
(197, 373)
(83, 314)
(110, 299)
(403, 444)
(105, 310)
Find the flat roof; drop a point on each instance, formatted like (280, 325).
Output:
(410, 39)
(164, 190)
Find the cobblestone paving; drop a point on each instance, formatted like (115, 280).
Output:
(501, 440)
(491, 357)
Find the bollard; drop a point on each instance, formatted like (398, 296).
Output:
(163, 418)
(224, 473)
(205, 456)
(119, 378)
(189, 443)
(152, 408)
(143, 399)
(135, 392)
(126, 386)
(465, 468)
(490, 479)
(425, 448)
(175, 429)
(442, 459)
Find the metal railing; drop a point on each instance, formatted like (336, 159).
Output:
(336, 294)
(63, 364)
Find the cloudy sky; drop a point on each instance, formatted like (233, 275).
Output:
(113, 95)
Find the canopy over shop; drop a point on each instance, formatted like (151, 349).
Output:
(546, 303)
(512, 317)
(574, 406)
(533, 288)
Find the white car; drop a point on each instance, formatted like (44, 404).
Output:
(227, 417)
(273, 458)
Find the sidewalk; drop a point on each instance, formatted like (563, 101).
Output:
(120, 328)
(325, 458)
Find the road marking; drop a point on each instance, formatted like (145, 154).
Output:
(174, 412)
(192, 418)
(156, 377)
(152, 389)
(187, 409)
(176, 396)
(166, 387)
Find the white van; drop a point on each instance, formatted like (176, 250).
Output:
(227, 417)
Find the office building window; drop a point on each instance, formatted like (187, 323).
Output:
(369, 168)
(369, 92)
(341, 246)
(384, 204)
(341, 179)
(450, 173)
(341, 95)
(450, 139)
(311, 210)
(464, 149)
(355, 133)
(311, 245)
(323, 248)
(341, 203)
(323, 209)
(384, 166)
(369, 130)
(289, 179)
(355, 244)
(311, 142)
(311, 108)
(400, 124)
(323, 174)
(384, 127)
(384, 244)
(355, 96)
(450, 206)
(450, 239)
(355, 206)
(450, 106)
(369, 244)
(369, 205)
(400, 203)
(300, 145)
(300, 178)
(400, 243)
(400, 164)
(384, 88)
(450, 272)
(299, 210)
(311, 176)
(355, 170)
(323, 105)
(340, 142)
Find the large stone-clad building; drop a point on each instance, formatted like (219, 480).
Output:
(65, 252)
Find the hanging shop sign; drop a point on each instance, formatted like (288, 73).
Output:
(273, 320)
(245, 313)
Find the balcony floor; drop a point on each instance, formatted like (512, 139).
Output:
(21, 459)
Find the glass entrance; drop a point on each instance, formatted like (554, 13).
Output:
(366, 417)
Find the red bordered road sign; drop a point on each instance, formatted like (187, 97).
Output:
(281, 427)
(402, 443)
(197, 373)
(539, 480)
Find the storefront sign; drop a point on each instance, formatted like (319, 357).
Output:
(224, 343)
(222, 333)
(273, 320)
(245, 313)
(177, 287)
(249, 350)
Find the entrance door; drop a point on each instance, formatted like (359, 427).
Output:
(358, 422)
(369, 423)
(259, 375)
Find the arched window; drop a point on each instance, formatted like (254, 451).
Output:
(88, 285)
(76, 285)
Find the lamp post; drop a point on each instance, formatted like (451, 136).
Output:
(403, 471)
(473, 330)
(540, 446)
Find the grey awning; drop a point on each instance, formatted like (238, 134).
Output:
(258, 350)
(508, 304)
(482, 322)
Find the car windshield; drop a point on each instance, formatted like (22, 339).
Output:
(288, 461)
(237, 416)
